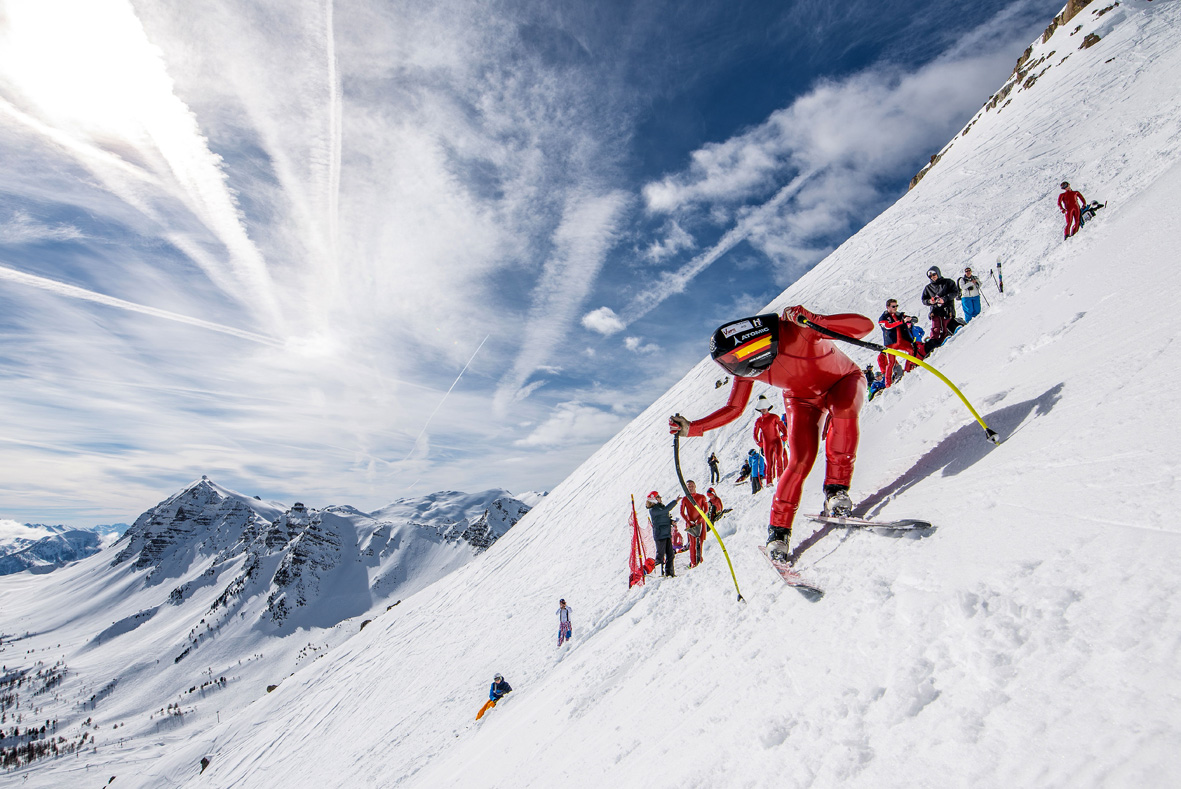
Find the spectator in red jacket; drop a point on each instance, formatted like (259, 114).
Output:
(769, 435)
(895, 334)
(716, 510)
(694, 523)
(1071, 203)
(821, 386)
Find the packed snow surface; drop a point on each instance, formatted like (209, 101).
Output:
(1031, 640)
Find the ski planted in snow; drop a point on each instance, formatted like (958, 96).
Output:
(903, 524)
(792, 578)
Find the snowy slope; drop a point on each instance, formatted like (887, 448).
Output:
(1031, 641)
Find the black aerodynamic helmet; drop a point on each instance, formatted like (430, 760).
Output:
(747, 346)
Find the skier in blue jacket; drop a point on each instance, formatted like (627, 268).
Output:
(758, 469)
(499, 688)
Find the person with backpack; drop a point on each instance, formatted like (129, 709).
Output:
(821, 387)
(692, 507)
(969, 287)
(1071, 204)
(940, 295)
(769, 434)
(662, 531)
(565, 630)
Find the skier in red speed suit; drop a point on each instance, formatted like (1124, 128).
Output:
(820, 385)
(769, 434)
(1071, 203)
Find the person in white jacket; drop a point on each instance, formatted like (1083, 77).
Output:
(564, 629)
(970, 294)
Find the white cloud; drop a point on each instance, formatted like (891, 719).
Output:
(833, 146)
(603, 320)
(636, 345)
(23, 229)
(571, 424)
(675, 240)
(14, 530)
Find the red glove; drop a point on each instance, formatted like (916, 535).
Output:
(793, 314)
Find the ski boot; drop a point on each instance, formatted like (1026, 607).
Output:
(837, 503)
(779, 544)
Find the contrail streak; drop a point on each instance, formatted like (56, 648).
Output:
(440, 405)
(675, 282)
(75, 292)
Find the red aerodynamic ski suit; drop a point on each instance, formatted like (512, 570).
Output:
(769, 434)
(816, 379)
(693, 518)
(1071, 203)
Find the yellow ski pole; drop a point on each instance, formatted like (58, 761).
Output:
(713, 529)
(989, 433)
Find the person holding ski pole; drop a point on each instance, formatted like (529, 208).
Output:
(769, 434)
(1071, 204)
(662, 531)
(565, 631)
(821, 386)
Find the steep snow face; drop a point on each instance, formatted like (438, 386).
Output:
(1031, 640)
(206, 594)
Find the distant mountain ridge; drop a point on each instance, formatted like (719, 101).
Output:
(40, 548)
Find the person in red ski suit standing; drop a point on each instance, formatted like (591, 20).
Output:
(1071, 203)
(769, 435)
(821, 385)
(694, 523)
(895, 334)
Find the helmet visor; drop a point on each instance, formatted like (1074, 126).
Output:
(747, 346)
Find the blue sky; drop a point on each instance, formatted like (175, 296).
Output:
(262, 240)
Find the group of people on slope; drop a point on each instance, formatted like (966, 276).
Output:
(902, 332)
(663, 523)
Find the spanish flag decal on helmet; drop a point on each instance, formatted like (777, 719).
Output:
(747, 346)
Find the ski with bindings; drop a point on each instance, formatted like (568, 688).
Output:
(1000, 279)
(903, 524)
(792, 578)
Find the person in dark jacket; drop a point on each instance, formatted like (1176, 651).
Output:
(498, 691)
(940, 295)
(715, 474)
(662, 530)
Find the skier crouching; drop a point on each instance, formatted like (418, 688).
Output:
(817, 381)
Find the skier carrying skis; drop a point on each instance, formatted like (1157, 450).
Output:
(1071, 204)
(565, 630)
(818, 382)
(769, 434)
(694, 524)
(716, 509)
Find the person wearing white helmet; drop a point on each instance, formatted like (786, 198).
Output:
(662, 531)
